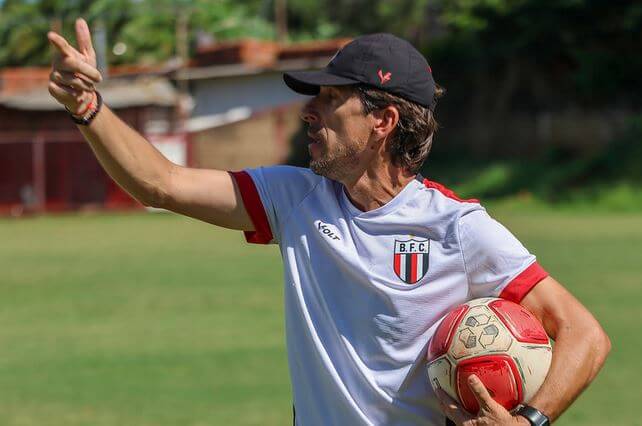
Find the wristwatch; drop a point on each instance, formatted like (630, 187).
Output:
(533, 415)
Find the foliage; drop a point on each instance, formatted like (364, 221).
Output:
(609, 178)
(152, 36)
(22, 34)
(406, 18)
(495, 57)
(588, 48)
(147, 27)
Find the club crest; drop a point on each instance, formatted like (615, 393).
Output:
(411, 259)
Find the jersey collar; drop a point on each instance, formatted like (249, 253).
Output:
(396, 201)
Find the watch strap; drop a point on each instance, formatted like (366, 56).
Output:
(533, 415)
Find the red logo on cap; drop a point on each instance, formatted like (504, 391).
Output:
(384, 77)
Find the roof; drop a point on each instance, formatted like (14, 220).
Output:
(262, 52)
(249, 56)
(19, 79)
(196, 124)
(312, 49)
(118, 93)
(13, 80)
(233, 70)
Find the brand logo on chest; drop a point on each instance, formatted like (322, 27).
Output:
(328, 230)
(410, 261)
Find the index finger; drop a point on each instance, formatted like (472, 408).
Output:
(61, 44)
(479, 391)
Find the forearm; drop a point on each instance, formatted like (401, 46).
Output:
(134, 163)
(580, 351)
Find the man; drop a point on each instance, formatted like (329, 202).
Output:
(358, 317)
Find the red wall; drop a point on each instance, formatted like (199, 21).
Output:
(15, 171)
(70, 176)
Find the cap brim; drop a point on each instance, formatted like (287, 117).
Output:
(309, 82)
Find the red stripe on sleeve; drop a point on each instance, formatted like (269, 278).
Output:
(447, 192)
(523, 283)
(262, 233)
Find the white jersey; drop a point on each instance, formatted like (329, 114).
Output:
(364, 291)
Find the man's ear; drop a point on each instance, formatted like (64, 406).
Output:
(386, 120)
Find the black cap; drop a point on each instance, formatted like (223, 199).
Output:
(382, 61)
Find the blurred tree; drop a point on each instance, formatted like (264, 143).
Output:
(415, 20)
(587, 48)
(145, 29)
(150, 37)
(22, 33)
(538, 52)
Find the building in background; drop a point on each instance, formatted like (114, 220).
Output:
(228, 109)
(243, 115)
(45, 164)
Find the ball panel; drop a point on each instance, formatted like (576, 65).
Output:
(443, 336)
(479, 331)
(521, 322)
(498, 373)
(440, 374)
(534, 362)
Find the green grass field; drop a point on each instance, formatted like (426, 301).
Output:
(155, 319)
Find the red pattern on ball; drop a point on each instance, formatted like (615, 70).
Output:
(443, 336)
(522, 323)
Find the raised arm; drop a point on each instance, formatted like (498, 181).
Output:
(135, 164)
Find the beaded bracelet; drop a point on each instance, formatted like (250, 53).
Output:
(83, 119)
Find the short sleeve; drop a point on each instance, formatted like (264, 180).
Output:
(497, 264)
(270, 194)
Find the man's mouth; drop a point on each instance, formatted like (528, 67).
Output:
(314, 147)
(314, 139)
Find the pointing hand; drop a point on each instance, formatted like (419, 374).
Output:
(74, 72)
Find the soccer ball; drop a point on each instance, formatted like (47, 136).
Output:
(500, 342)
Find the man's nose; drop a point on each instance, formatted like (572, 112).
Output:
(308, 114)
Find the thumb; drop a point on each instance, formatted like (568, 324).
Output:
(83, 37)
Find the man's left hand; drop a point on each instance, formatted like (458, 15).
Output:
(491, 413)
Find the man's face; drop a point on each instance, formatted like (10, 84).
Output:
(339, 131)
